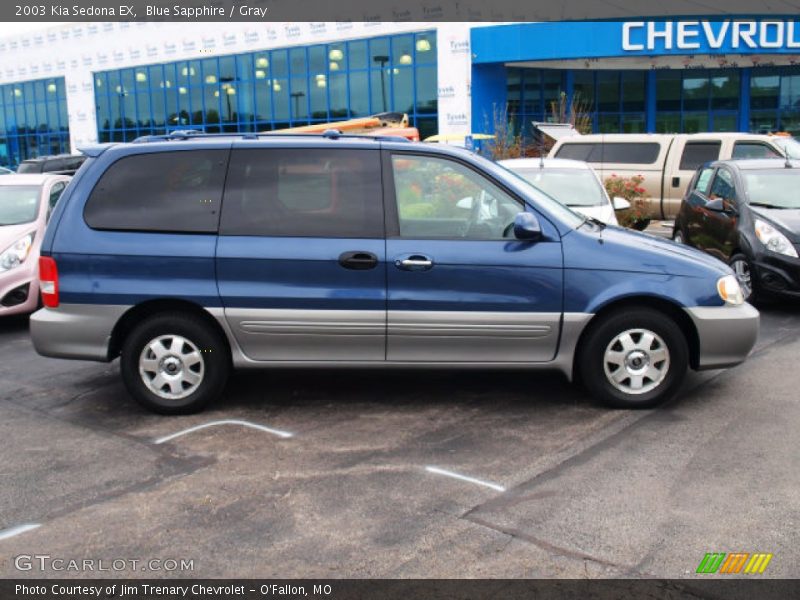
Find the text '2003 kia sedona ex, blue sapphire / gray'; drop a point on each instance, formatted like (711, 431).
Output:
(189, 255)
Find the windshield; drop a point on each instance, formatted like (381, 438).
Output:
(541, 200)
(572, 187)
(789, 145)
(774, 188)
(18, 204)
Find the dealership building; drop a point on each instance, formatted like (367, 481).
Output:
(81, 83)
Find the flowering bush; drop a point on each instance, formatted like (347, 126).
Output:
(631, 189)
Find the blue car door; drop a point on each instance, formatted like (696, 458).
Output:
(461, 288)
(301, 261)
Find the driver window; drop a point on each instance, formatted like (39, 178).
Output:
(440, 198)
(723, 187)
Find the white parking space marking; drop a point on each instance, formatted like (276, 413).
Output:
(11, 532)
(278, 432)
(446, 473)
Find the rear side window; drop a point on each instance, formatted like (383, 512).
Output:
(52, 166)
(626, 153)
(743, 150)
(576, 151)
(162, 191)
(304, 193)
(696, 154)
(30, 167)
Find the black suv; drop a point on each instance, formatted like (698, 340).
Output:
(747, 213)
(62, 164)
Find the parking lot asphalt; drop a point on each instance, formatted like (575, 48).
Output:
(400, 474)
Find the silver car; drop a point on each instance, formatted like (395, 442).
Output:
(572, 182)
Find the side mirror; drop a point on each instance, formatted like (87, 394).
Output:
(620, 203)
(526, 227)
(465, 203)
(721, 206)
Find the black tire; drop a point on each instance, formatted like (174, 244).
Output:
(201, 339)
(592, 364)
(754, 295)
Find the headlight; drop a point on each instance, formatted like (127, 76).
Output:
(730, 291)
(773, 239)
(15, 255)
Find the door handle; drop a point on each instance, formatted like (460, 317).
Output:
(414, 262)
(358, 260)
(676, 182)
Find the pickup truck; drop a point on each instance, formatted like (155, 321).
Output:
(668, 161)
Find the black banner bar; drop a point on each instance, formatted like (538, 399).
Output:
(732, 588)
(379, 10)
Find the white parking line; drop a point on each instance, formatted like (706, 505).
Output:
(278, 432)
(446, 473)
(11, 532)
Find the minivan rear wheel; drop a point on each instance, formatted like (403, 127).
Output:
(174, 363)
(635, 358)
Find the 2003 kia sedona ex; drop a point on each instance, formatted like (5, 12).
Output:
(188, 255)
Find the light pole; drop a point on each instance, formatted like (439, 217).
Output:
(382, 59)
(297, 96)
(227, 87)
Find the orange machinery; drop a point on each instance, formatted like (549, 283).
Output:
(393, 124)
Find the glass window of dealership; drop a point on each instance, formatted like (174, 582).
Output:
(688, 101)
(638, 76)
(273, 89)
(33, 120)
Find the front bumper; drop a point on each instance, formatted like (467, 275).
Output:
(777, 274)
(726, 334)
(15, 284)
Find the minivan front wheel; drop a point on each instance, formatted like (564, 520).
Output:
(634, 359)
(173, 363)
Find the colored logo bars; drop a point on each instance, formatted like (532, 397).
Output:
(736, 562)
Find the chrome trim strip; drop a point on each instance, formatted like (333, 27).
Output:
(471, 336)
(268, 334)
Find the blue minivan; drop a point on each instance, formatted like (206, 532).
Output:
(189, 255)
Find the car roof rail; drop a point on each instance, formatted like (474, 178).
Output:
(330, 134)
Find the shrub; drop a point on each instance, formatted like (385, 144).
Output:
(631, 189)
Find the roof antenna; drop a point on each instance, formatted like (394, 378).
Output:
(540, 139)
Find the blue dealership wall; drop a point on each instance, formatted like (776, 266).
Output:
(603, 39)
(494, 46)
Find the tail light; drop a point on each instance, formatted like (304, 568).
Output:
(48, 281)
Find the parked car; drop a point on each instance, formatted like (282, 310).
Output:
(26, 202)
(188, 255)
(572, 182)
(747, 214)
(63, 164)
(668, 161)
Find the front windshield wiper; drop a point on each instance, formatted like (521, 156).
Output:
(594, 221)
(766, 205)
